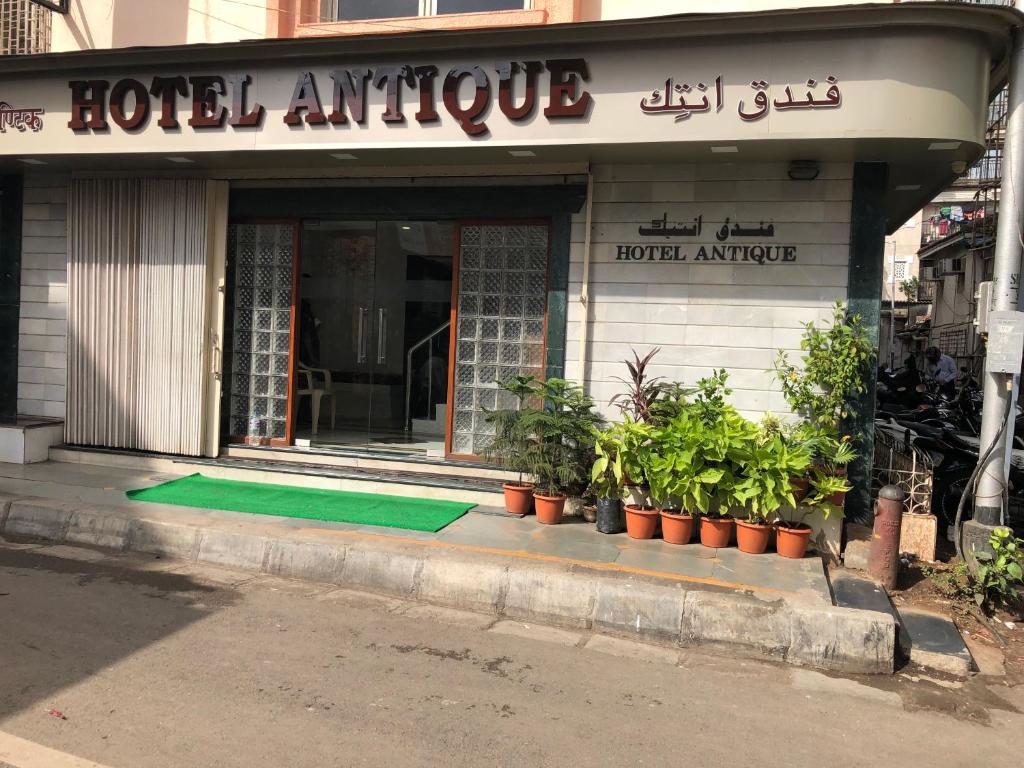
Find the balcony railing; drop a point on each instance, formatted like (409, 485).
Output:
(933, 232)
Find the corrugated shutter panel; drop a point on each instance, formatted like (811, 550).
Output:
(136, 308)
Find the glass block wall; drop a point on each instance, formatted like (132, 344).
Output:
(261, 255)
(500, 334)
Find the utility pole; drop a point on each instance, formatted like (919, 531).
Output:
(1001, 386)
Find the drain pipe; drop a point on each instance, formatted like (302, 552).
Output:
(1001, 388)
(585, 286)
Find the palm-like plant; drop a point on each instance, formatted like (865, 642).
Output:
(553, 443)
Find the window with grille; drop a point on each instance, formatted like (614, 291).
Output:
(900, 270)
(24, 28)
(954, 342)
(363, 10)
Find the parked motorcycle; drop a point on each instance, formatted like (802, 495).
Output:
(954, 456)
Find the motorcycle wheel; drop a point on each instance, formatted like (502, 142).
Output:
(946, 495)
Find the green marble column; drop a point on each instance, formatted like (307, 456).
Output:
(867, 254)
(10, 292)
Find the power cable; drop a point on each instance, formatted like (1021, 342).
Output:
(970, 485)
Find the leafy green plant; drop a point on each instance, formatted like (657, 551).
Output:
(823, 486)
(672, 401)
(680, 472)
(634, 449)
(1000, 575)
(552, 442)
(765, 470)
(607, 476)
(709, 403)
(833, 369)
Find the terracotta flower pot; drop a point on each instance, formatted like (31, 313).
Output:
(518, 498)
(676, 527)
(792, 542)
(641, 522)
(800, 485)
(715, 532)
(549, 508)
(590, 513)
(752, 538)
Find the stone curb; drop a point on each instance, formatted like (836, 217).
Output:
(839, 639)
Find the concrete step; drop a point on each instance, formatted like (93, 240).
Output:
(464, 483)
(934, 642)
(28, 440)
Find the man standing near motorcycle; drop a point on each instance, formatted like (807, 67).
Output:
(941, 369)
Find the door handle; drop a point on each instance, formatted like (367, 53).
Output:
(382, 335)
(361, 335)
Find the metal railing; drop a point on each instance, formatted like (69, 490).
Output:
(428, 339)
(897, 463)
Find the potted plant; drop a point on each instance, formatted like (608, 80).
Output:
(767, 466)
(634, 438)
(835, 456)
(793, 536)
(560, 445)
(607, 478)
(510, 443)
(682, 479)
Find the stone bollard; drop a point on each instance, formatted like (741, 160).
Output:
(884, 560)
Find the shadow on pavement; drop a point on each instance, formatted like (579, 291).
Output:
(56, 631)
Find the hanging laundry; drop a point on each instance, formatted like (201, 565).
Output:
(956, 213)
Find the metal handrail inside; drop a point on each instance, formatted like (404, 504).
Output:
(430, 372)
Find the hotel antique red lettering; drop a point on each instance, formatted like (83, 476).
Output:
(467, 93)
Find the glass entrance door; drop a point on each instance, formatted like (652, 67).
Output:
(375, 299)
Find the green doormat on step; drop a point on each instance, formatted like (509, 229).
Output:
(307, 503)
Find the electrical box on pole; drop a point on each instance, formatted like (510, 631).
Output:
(983, 305)
(1005, 342)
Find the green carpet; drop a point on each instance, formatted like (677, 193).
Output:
(306, 503)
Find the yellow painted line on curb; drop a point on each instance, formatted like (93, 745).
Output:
(524, 555)
(27, 754)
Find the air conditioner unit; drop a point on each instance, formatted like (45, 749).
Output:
(954, 265)
(928, 273)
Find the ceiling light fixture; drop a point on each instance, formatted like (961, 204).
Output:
(522, 153)
(907, 187)
(180, 160)
(31, 161)
(728, 150)
(343, 156)
(938, 146)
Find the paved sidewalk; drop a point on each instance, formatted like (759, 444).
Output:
(484, 531)
(567, 575)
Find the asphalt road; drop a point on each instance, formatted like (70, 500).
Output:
(129, 662)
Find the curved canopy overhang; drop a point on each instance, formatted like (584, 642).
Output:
(905, 84)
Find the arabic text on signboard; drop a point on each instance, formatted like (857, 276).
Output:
(684, 99)
(726, 249)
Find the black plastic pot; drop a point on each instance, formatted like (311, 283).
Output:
(610, 518)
